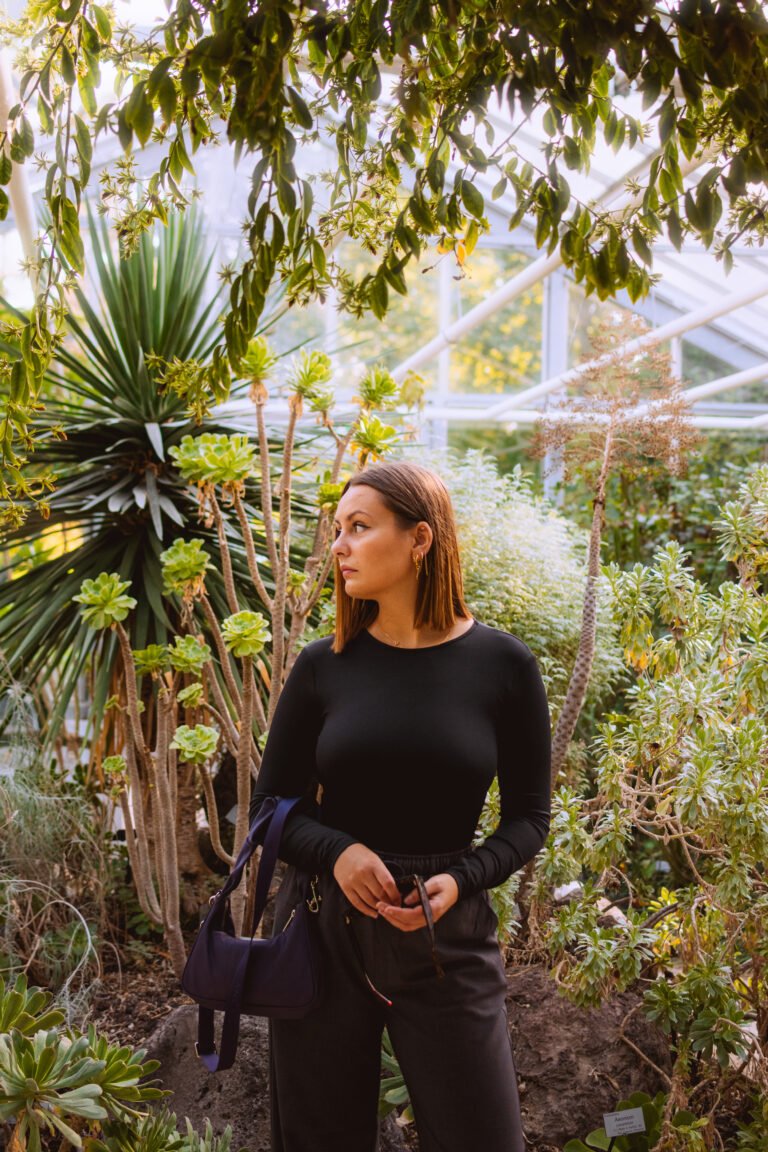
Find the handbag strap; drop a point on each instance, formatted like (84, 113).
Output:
(268, 860)
(268, 826)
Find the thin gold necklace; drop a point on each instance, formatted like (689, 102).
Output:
(399, 643)
(395, 643)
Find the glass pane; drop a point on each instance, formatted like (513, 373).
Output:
(503, 354)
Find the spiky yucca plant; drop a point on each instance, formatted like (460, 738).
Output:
(119, 497)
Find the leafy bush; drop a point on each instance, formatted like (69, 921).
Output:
(683, 767)
(67, 1089)
(524, 569)
(54, 861)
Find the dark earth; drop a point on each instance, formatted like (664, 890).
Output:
(572, 1063)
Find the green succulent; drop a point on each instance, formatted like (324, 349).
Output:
(191, 696)
(195, 745)
(245, 633)
(378, 389)
(114, 766)
(215, 458)
(26, 1009)
(46, 1078)
(393, 1092)
(150, 660)
(296, 580)
(328, 496)
(114, 769)
(50, 1078)
(258, 361)
(150, 1132)
(122, 1075)
(413, 391)
(189, 654)
(373, 438)
(104, 600)
(184, 565)
(310, 373)
(322, 400)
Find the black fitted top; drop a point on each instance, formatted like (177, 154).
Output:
(405, 743)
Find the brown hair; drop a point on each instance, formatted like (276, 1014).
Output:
(413, 493)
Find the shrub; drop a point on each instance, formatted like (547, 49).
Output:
(68, 1089)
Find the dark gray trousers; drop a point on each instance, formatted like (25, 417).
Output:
(450, 1035)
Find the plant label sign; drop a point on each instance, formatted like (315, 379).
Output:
(623, 1123)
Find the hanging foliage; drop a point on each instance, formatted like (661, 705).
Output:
(275, 76)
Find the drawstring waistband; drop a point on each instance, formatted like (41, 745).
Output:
(410, 871)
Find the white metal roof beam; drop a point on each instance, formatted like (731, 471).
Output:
(566, 416)
(752, 375)
(656, 336)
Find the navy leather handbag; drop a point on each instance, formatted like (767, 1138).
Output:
(240, 975)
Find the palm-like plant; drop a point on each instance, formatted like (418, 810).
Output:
(119, 499)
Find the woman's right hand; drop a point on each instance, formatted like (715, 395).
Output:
(364, 879)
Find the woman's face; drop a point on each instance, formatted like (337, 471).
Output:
(374, 553)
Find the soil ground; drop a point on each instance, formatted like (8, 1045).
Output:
(572, 1064)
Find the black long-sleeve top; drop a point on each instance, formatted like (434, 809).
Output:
(405, 743)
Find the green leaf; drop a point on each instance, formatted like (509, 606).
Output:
(181, 152)
(379, 297)
(641, 246)
(83, 140)
(23, 139)
(44, 114)
(675, 230)
(67, 66)
(166, 98)
(667, 119)
(143, 117)
(124, 132)
(68, 236)
(692, 211)
(667, 187)
(735, 180)
(299, 108)
(472, 199)
(103, 22)
(157, 75)
(87, 94)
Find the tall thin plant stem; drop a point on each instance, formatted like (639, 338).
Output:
(582, 668)
(281, 576)
(250, 552)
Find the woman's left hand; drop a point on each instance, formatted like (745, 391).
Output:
(443, 892)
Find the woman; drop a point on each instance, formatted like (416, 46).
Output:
(393, 731)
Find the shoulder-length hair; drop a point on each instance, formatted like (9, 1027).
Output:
(413, 493)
